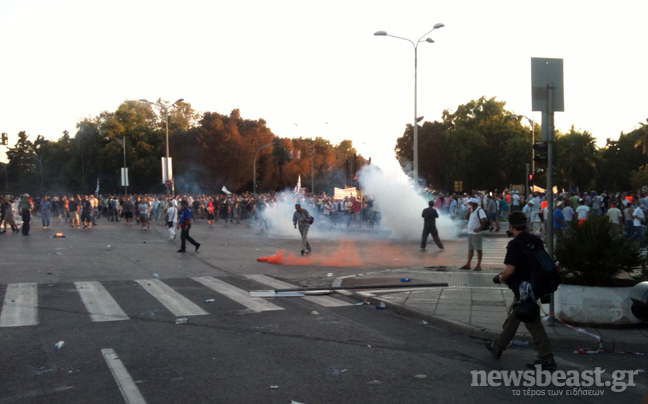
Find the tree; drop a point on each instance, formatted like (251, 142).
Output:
(22, 165)
(618, 159)
(478, 144)
(576, 160)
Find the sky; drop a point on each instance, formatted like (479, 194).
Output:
(301, 64)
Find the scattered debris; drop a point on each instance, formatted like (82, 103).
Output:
(425, 322)
(59, 344)
(381, 306)
(156, 275)
(209, 300)
(329, 274)
(406, 280)
(59, 253)
(274, 387)
(315, 313)
(520, 343)
(50, 273)
(182, 320)
(421, 376)
(374, 382)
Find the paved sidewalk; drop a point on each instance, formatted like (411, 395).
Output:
(473, 305)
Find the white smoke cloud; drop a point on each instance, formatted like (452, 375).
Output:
(400, 205)
(394, 197)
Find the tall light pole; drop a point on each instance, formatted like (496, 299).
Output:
(254, 166)
(125, 174)
(429, 40)
(164, 107)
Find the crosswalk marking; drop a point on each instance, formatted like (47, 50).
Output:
(99, 303)
(20, 305)
(324, 301)
(125, 382)
(172, 300)
(236, 294)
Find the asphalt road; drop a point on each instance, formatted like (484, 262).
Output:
(234, 349)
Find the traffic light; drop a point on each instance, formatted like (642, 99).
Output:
(5, 140)
(530, 180)
(541, 153)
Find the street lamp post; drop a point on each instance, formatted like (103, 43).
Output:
(254, 166)
(429, 40)
(165, 109)
(125, 176)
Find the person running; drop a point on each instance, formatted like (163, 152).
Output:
(304, 219)
(185, 225)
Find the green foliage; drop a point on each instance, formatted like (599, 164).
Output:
(479, 144)
(591, 256)
(576, 160)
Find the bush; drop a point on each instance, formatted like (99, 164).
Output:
(590, 256)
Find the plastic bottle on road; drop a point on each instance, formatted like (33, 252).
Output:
(59, 345)
(182, 320)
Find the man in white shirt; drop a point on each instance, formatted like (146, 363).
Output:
(638, 217)
(615, 216)
(568, 212)
(515, 202)
(172, 218)
(582, 210)
(476, 221)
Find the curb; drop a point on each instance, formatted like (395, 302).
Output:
(484, 334)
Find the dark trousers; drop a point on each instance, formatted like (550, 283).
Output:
(536, 329)
(26, 217)
(427, 230)
(184, 237)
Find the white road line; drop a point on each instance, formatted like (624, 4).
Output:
(20, 305)
(129, 390)
(172, 300)
(324, 301)
(99, 303)
(236, 294)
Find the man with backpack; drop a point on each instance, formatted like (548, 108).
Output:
(518, 269)
(477, 222)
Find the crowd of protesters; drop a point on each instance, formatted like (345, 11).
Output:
(625, 210)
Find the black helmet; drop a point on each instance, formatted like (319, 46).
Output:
(526, 311)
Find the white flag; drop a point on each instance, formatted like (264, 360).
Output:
(225, 190)
(298, 187)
